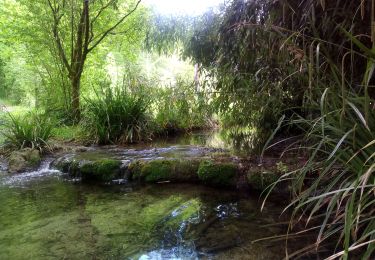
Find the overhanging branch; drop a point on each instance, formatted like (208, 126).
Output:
(105, 34)
(55, 31)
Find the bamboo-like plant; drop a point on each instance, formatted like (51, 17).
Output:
(335, 189)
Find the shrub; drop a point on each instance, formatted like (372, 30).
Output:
(30, 130)
(117, 116)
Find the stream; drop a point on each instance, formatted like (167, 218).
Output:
(46, 215)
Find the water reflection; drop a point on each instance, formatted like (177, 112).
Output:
(237, 140)
(52, 218)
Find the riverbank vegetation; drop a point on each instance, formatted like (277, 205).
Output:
(295, 76)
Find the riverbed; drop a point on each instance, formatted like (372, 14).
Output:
(47, 215)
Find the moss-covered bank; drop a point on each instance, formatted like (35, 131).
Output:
(218, 174)
(213, 171)
(177, 170)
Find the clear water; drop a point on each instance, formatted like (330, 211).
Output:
(45, 216)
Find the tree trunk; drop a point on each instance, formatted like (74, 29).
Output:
(82, 42)
(75, 82)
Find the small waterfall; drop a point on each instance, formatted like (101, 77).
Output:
(21, 178)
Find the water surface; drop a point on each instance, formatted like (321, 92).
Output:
(46, 216)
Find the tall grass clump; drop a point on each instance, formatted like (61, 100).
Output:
(180, 109)
(334, 190)
(117, 116)
(30, 130)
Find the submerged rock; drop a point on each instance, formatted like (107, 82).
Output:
(23, 160)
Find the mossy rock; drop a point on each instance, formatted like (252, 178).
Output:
(217, 174)
(160, 170)
(89, 167)
(24, 159)
(135, 169)
(261, 180)
(64, 163)
(101, 170)
(164, 170)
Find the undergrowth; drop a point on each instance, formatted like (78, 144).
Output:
(31, 130)
(117, 116)
(334, 189)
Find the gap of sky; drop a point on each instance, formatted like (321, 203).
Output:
(183, 7)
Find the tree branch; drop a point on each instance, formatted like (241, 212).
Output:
(105, 34)
(100, 11)
(55, 30)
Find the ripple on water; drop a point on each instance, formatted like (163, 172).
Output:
(51, 218)
(21, 179)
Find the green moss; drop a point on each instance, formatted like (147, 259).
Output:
(135, 169)
(101, 170)
(159, 170)
(261, 180)
(186, 170)
(164, 170)
(34, 158)
(219, 174)
(24, 159)
(73, 168)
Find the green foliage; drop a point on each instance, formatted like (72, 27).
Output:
(247, 72)
(35, 71)
(180, 109)
(30, 130)
(338, 177)
(69, 133)
(167, 32)
(218, 174)
(336, 184)
(117, 116)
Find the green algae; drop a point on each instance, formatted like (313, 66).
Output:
(54, 219)
(218, 174)
(133, 224)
